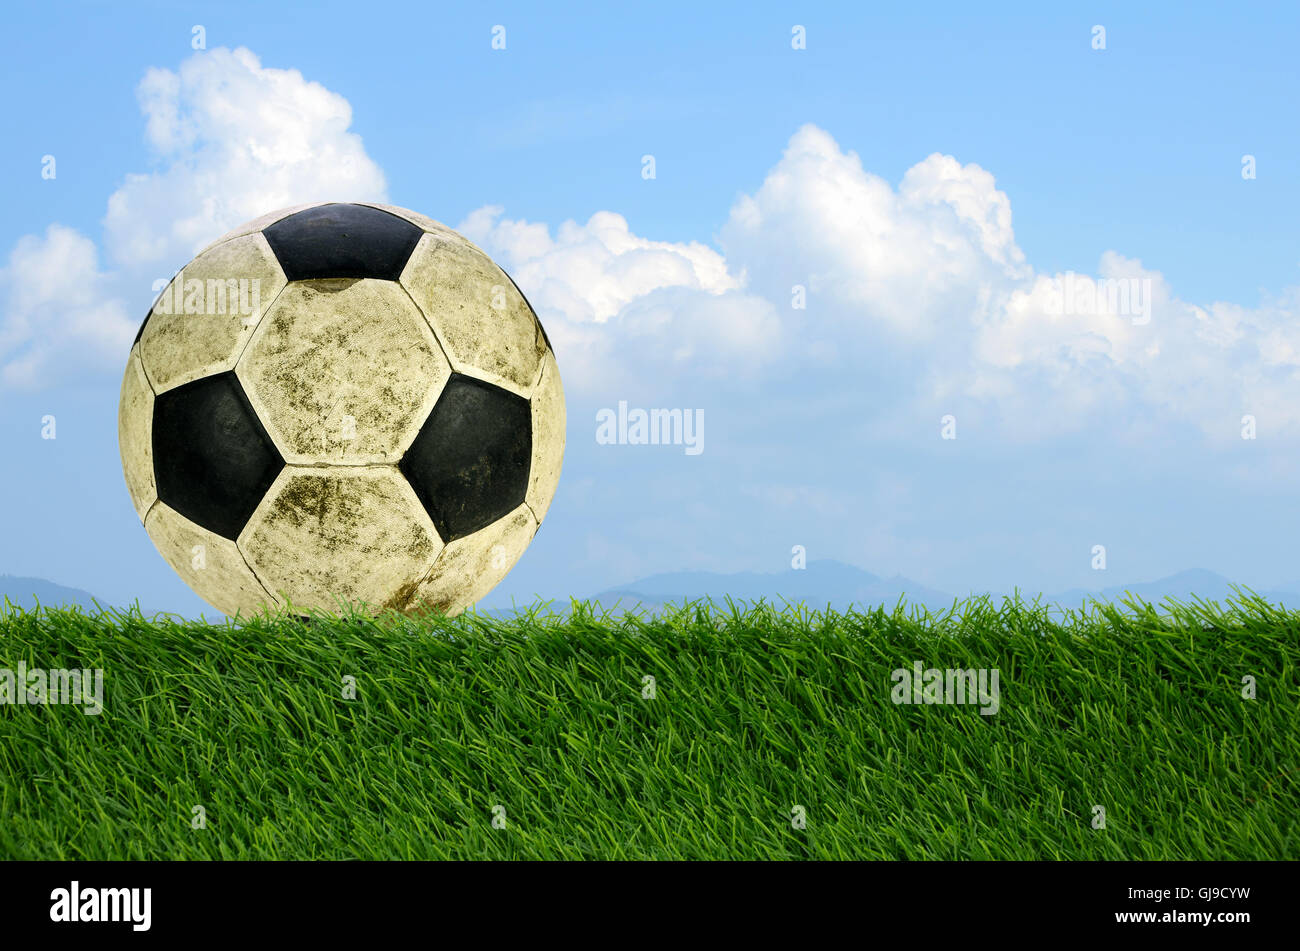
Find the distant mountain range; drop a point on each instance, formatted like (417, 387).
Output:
(837, 585)
(821, 585)
(1184, 585)
(26, 592)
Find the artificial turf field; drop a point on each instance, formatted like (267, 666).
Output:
(542, 722)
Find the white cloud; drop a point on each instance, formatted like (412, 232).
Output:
(924, 281)
(590, 272)
(615, 303)
(1204, 366)
(901, 262)
(234, 140)
(58, 315)
(239, 140)
(875, 262)
(921, 286)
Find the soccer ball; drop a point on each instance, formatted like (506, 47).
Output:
(341, 405)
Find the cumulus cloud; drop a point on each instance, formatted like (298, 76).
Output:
(590, 272)
(233, 139)
(1167, 360)
(923, 282)
(236, 139)
(931, 270)
(900, 261)
(59, 313)
(919, 289)
(615, 303)
(825, 265)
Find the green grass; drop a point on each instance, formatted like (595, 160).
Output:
(756, 711)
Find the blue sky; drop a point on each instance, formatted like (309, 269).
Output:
(921, 171)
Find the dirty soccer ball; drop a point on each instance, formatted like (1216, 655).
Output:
(341, 405)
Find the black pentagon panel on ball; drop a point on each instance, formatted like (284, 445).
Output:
(342, 241)
(213, 460)
(469, 463)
